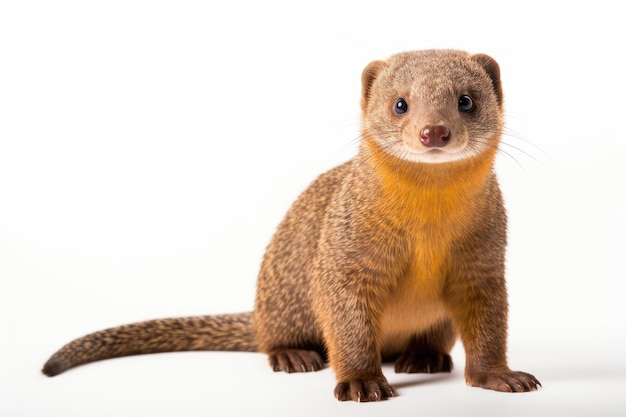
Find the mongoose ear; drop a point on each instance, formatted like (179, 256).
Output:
(493, 70)
(367, 79)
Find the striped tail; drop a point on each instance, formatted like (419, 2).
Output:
(228, 332)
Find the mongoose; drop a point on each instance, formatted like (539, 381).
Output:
(389, 256)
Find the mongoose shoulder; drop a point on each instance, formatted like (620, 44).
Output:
(389, 256)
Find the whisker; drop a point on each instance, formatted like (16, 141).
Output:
(499, 150)
(389, 146)
(510, 133)
(517, 148)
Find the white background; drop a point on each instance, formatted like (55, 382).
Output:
(149, 149)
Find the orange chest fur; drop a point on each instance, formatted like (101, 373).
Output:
(416, 301)
(432, 217)
(434, 206)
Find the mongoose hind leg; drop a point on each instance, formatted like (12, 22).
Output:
(412, 362)
(428, 352)
(296, 360)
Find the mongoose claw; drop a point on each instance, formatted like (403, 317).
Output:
(364, 390)
(505, 381)
(296, 360)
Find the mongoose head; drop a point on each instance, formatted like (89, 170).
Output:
(433, 106)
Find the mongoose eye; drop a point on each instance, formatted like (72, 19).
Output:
(401, 106)
(466, 104)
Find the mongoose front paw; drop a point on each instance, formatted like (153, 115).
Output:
(505, 381)
(364, 390)
(296, 360)
(431, 362)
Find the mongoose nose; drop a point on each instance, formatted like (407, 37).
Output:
(435, 136)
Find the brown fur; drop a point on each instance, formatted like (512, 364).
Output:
(384, 256)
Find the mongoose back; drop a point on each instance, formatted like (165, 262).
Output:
(389, 256)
